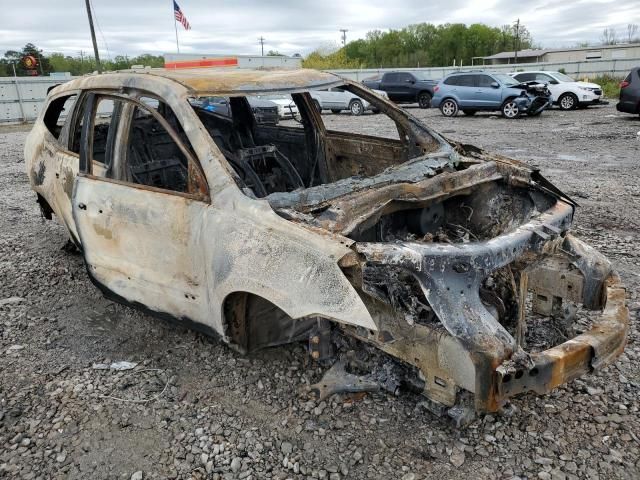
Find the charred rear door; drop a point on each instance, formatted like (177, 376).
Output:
(139, 221)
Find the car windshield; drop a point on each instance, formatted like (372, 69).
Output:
(505, 79)
(562, 77)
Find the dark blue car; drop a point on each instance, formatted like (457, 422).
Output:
(472, 92)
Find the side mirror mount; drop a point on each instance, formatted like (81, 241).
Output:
(554, 82)
(495, 85)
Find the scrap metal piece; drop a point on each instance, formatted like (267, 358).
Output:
(338, 380)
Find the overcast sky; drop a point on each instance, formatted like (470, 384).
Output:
(289, 26)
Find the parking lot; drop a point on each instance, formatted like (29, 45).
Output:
(199, 410)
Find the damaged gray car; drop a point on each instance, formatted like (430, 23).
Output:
(452, 264)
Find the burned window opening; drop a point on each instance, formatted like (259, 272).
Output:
(276, 158)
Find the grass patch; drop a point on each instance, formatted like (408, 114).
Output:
(610, 85)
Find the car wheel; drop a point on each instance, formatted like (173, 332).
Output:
(424, 100)
(510, 109)
(335, 110)
(568, 101)
(469, 112)
(449, 108)
(356, 108)
(316, 104)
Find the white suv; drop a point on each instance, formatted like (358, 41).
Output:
(565, 91)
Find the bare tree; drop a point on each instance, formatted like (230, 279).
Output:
(632, 32)
(609, 36)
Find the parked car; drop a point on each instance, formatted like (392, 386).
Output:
(485, 91)
(405, 87)
(630, 93)
(565, 91)
(287, 108)
(338, 99)
(426, 257)
(265, 111)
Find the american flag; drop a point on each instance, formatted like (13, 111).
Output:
(180, 16)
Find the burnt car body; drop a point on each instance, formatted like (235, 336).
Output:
(436, 253)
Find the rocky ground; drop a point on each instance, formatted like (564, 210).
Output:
(192, 408)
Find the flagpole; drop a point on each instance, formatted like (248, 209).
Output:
(175, 25)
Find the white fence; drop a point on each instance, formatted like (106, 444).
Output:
(22, 98)
(578, 70)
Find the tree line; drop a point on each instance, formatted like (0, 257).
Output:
(76, 65)
(423, 45)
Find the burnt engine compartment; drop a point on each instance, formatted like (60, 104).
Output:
(488, 211)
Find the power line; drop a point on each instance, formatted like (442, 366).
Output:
(261, 40)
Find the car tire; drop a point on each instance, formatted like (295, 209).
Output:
(335, 111)
(449, 107)
(469, 112)
(510, 109)
(424, 99)
(316, 104)
(568, 101)
(356, 108)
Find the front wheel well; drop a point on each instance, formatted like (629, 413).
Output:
(252, 322)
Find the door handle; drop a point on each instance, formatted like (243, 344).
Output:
(82, 206)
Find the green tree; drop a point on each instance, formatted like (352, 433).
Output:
(423, 45)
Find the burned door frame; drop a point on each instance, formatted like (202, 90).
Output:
(142, 245)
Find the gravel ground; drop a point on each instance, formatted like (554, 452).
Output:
(192, 408)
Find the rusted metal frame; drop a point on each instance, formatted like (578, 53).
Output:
(450, 277)
(565, 362)
(190, 196)
(315, 128)
(126, 121)
(86, 137)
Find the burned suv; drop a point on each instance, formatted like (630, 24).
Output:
(442, 261)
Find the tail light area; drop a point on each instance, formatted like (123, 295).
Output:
(624, 84)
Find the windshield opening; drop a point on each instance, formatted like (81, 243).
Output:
(281, 142)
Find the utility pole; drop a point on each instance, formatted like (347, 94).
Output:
(516, 41)
(344, 36)
(261, 40)
(93, 37)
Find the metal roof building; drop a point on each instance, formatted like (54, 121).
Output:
(579, 54)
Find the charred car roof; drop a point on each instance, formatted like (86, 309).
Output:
(202, 82)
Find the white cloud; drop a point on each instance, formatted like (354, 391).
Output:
(146, 26)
